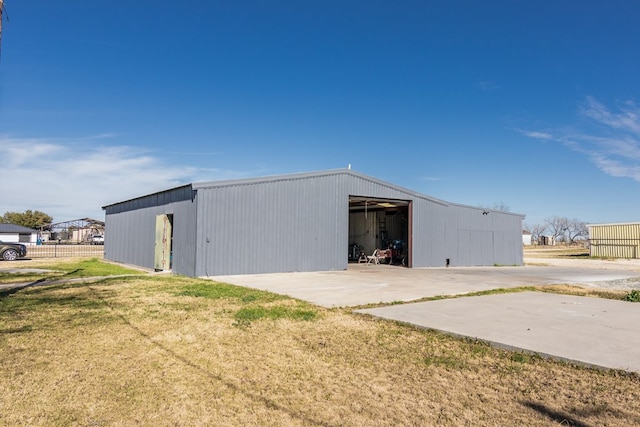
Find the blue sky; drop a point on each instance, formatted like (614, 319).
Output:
(528, 104)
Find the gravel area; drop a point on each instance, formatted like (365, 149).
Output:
(600, 264)
(632, 265)
(624, 284)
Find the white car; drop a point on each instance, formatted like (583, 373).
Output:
(97, 239)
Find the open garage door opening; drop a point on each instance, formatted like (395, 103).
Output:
(382, 225)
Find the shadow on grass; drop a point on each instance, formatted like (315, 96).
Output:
(556, 416)
(38, 282)
(20, 330)
(269, 403)
(10, 291)
(20, 275)
(58, 282)
(43, 297)
(71, 273)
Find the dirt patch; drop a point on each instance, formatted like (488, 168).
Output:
(599, 264)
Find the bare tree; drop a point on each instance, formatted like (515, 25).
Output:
(575, 230)
(558, 226)
(501, 207)
(536, 231)
(566, 230)
(497, 207)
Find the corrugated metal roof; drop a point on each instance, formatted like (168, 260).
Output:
(307, 175)
(184, 189)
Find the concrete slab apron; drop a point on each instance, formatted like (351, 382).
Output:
(591, 331)
(364, 284)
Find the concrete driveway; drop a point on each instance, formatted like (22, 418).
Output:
(363, 284)
(591, 331)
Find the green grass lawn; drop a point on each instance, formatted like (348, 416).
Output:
(68, 269)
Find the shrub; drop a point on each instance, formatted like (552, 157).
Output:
(633, 296)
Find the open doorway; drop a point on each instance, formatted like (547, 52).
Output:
(163, 255)
(380, 224)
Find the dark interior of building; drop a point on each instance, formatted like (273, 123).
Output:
(379, 230)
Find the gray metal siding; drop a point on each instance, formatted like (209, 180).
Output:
(299, 223)
(431, 245)
(289, 225)
(494, 238)
(130, 236)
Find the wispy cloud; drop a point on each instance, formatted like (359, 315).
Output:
(538, 135)
(431, 178)
(486, 85)
(73, 178)
(626, 119)
(617, 168)
(610, 139)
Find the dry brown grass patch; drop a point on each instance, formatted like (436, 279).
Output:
(556, 252)
(583, 291)
(140, 352)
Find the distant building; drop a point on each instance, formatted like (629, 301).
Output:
(303, 222)
(526, 238)
(17, 234)
(616, 240)
(547, 240)
(76, 231)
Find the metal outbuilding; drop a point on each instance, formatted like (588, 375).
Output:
(17, 234)
(616, 240)
(303, 222)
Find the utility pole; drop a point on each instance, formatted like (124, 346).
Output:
(2, 13)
